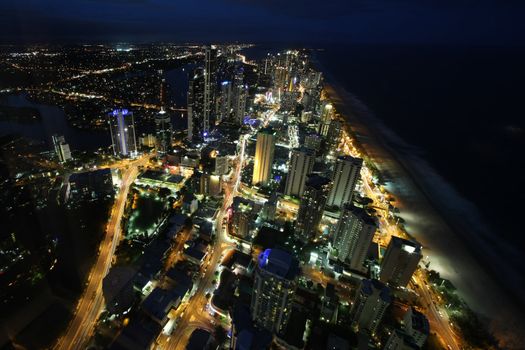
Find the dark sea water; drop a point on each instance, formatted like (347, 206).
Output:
(460, 107)
(53, 121)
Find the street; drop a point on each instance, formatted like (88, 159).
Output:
(91, 302)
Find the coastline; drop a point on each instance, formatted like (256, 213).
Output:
(447, 242)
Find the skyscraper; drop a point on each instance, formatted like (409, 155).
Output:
(400, 261)
(122, 129)
(163, 132)
(224, 101)
(344, 178)
(61, 148)
(417, 326)
(273, 289)
(333, 136)
(412, 335)
(196, 105)
(243, 216)
(370, 305)
(163, 94)
(240, 92)
(210, 81)
(264, 150)
(301, 164)
(353, 236)
(326, 118)
(222, 165)
(312, 205)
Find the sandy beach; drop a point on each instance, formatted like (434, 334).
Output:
(446, 225)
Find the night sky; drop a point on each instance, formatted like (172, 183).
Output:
(484, 22)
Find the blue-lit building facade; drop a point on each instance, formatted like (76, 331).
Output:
(273, 290)
(122, 129)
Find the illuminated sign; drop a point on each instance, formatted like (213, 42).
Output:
(263, 258)
(120, 111)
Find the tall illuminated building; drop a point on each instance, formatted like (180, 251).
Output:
(210, 81)
(400, 261)
(312, 205)
(163, 93)
(243, 216)
(163, 132)
(240, 92)
(264, 151)
(196, 110)
(61, 148)
(353, 236)
(224, 101)
(122, 129)
(372, 300)
(301, 164)
(333, 136)
(344, 178)
(273, 289)
(327, 111)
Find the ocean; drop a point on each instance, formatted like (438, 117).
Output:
(460, 108)
(446, 125)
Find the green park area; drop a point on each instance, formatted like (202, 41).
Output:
(148, 210)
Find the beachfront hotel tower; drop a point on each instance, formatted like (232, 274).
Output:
(273, 289)
(264, 151)
(400, 261)
(301, 164)
(344, 178)
(353, 236)
(327, 111)
(312, 205)
(370, 305)
(122, 129)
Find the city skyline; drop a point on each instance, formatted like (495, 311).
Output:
(260, 175)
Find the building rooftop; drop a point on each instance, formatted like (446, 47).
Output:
(355, 161)
(411, 247)
(248, 337)
(159, 302)
(181, 278)
(267, 130)
(361, 213)
(420, 322)
(243, 204)
(279, 262)
(140, 333)
(368, 287)
(200, 339)
(316, 181)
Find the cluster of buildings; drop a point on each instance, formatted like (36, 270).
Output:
(318, 190)
(299, 193)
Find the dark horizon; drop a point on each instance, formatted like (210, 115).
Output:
(300, 22)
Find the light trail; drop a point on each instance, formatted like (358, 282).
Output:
(91, 303)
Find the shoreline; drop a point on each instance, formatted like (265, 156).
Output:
(444, 240)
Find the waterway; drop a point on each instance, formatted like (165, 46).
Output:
(54, 121)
